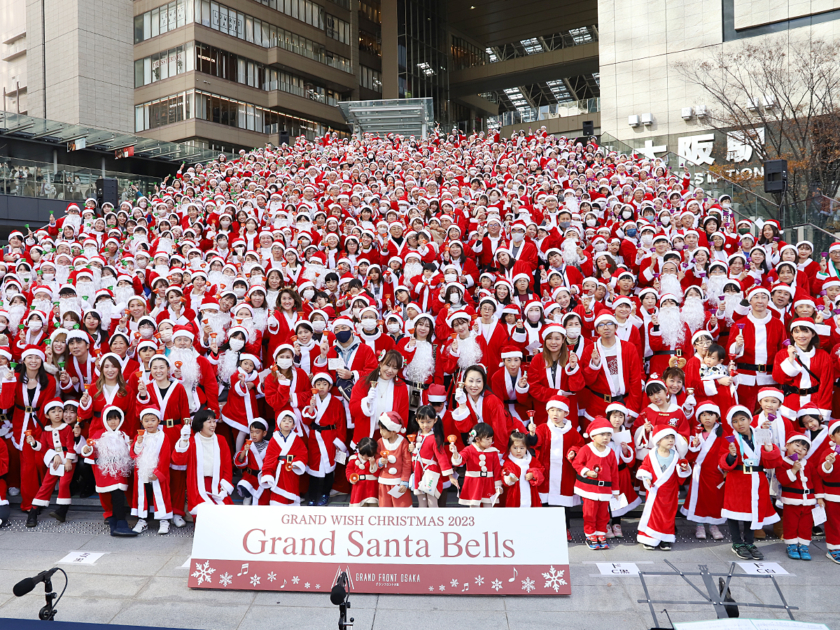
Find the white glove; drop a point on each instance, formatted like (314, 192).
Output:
(460, 396)
(690, 401)
(5, 429)
(186, 432)
(87, 450)
(266, 481)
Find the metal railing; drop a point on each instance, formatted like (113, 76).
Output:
(547, 112)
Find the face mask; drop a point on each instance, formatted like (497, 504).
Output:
(518, 237)
(454, 298)
(35, 324)
(743, 230)
(665, 220)
(68, 324)
(627, 215)
(573, 332)
(394, 328)
(239, 292)
(679, 246)
(591, 222)
(533, 316)
(344, 336)
(368, 325)
(319, 326)
(284, 364)
(599, 247)
(631, 232)
(166, 336)
(236, 344)
(147, 333)
(309, 294)
(564, 225)
(647, 239)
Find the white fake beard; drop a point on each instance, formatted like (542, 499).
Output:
(73, 219)
(16, 314)
(314, 272)
(161, 270)
(215, 277)
(112, 454)
(671, 326)
(66, 305)
(165, 245)
(45, 306)
(190, 373)
(97, 277)
(714, 288)
(670, 283)
(271, 297)
(62, 272)
(90, 251)
(693, 313)
(412, 270)
(260, 319)
(732, 301)
(147, 461)
(227, 366)
(86, 289)
(248, 266)
(139, 239)
(251, 327)
(423, 364)
(470, 352)
(124, 294)
(219, 323)
(106, 309)
(570, 255)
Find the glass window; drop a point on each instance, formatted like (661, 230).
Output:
(147, 71)
(155, 22)
(206, 19)
(190, 5)
(173, 16)
(223, 19)
(180, 12)
(138, 73)
(240, 26)
(189, 57)
(250, 117)
(138, 29)
(249, 29)
(214, 15)
(242, 116)
(138, 118)
(241, 71)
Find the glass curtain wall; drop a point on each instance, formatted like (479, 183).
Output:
(423, 55)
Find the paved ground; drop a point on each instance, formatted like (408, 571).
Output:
(140, 581)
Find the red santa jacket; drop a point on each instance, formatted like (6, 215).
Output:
(283, 464)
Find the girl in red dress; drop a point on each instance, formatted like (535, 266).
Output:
(522, 473)
(430, 457)
(704, 499)
(483, 477)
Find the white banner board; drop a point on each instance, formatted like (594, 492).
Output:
(403, 550)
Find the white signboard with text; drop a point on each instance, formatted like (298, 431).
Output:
(406, 550)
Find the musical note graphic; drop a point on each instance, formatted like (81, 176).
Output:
(466, 587)
(514, 575)
(243, 570)
(284, 584)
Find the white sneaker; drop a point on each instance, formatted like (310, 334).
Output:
(715, 532)
(164, 528)
(617, 531)
(246, 500)
(700, 532)
(13, 492)
(141, 526)
(609, 533)
(178, 521)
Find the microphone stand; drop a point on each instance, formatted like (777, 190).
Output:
(48, 612)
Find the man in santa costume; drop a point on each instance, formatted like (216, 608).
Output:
(669, 337)
(195, 372)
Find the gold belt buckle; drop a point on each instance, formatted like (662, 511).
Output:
(748, 470)
(607, 398)
(169, 423)
(28, 409)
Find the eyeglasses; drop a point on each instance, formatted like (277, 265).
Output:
(610, 324)
(703, 342)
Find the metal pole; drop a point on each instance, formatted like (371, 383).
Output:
(17, 91)
(44, 53)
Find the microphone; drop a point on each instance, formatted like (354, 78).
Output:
(27, 584)
(339, 591)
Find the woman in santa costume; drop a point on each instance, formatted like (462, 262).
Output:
(704, 499)
(555, 371)
(804, 371)
(205, 484)
(284, 462)
(26, 390)
(378, 392)
(555, 443)
(746, 489)
(287, 385)
(242, 407)
(662, 473)
(477, 404)
(327, 434)
(169, 397)
(418, 352)
(108, 390)
(522, 473)
(463, 348)
(281, 322)
(113, 467)
(56, 445)
(512, 384)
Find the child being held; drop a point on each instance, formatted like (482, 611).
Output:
(363, 473)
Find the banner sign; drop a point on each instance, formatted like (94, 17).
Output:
(399, 550)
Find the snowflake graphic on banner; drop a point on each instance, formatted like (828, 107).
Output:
(431, 588)
(497, 585)
(255, 580)
(295, 580)
(203, 572)
(479, 580)
(272, 576)
(453, 583)
(528, 585)
(554, 579)
(225, 579)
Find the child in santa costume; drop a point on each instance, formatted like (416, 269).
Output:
(394, 462)
(597, 481)
(483, 477)
(660, 412)
(284, 462)
(830, 479)
(799, 484)
(111, 453)
(622, 446)
(662, 473)
(556, 443)
(718, 385)
(56, 445)
(746, 490)
(205, 484)
(241, 407)
(522, 472)
(250, 461)
(151, 452)
(704, 499)
(430, 460)
(325, 418)
(363, 475)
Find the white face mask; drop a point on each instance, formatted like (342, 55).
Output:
(309, 294)
(591, 222)
(236, 344)
(534, 316)
(517, 237)
(35, 324)
(319, 326)
(239, 292)
(455, 298)
(369, 324)
(450, 277)
(68, 324)
(573, 332)
(166, 336)
(147, 332)
(647, 238)
(665, 220)
(284, 364)
(394, 328)
(599, 247)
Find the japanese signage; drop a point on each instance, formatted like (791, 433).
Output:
(406, 551)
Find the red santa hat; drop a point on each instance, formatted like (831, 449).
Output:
(600, 425)
(756, 290)
(437, 393)
(770, 392)
(392, 421)
(662, 433)
(456, 316)
(737, 409)
(151, 411)
(558, 402)
(55, 402)
(510, 351)
(183, 331)
(552, 328)
(803, 322)
(326, 376)
(809, 409)
(605, 318)
(708, 407)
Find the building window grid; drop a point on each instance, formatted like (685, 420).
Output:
(337, 29)
(371, 10)
(370, 79)
(422, 58)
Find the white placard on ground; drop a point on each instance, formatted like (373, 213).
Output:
(762, 568)
(186, 564)
(81, 557)
(748, 624)
(618, 568)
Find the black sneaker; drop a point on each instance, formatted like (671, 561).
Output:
(32, 518)
(665, 546)
(755, 554)
(740, 550)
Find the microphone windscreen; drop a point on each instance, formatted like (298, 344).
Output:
(26, 585)
(337, 594)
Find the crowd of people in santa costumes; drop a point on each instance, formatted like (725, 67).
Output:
(521, 322)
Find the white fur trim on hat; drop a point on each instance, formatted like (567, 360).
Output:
(32, 352)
